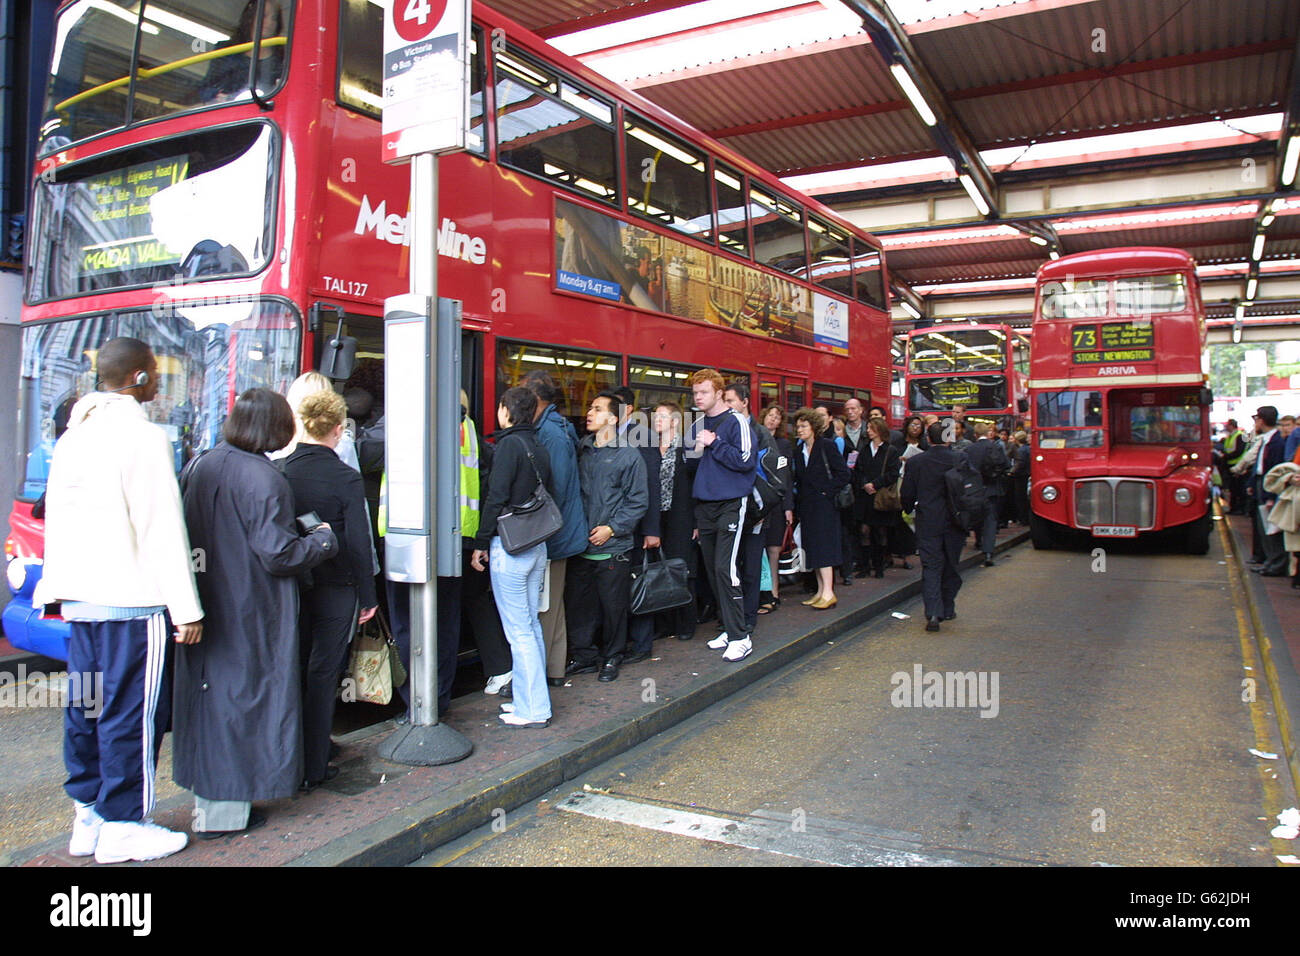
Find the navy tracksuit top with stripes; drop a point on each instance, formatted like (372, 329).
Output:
(726, 468)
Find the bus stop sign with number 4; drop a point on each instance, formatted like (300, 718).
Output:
(426, 77)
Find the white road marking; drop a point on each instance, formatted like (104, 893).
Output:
(767, 833)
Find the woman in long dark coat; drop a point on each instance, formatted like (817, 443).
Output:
(877, 467)
(676, 511)
(237, 717)
(774, 527)
(819, 473)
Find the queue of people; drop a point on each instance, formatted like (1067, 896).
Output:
(256, 629)
(1261, 473)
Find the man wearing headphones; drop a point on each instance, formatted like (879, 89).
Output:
(117, 560)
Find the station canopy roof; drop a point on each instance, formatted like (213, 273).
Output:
(1024, 94)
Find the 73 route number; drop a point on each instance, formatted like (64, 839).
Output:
(345, 286)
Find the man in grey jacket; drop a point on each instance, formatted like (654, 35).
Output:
(614, 498)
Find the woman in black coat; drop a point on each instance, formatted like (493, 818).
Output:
(877, 467)
(331, 595)
(783, 516)
(676, 511)
(237, 713)
(819, 474)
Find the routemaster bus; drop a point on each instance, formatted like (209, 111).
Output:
(209, 180)
(981, 367)
(1121, 443)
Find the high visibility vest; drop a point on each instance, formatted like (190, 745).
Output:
(469, 490)
(1234, 447)
(469, 486)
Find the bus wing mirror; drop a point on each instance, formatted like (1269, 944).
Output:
(339, 359)
(1022, 404)
(1207, 396)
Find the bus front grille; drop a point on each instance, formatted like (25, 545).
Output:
(1114, 501)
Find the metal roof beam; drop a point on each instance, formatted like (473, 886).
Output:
(625, 12)
(1289, 144)
(722, 26)
(949, 133)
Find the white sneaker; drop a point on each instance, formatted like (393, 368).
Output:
(738, 650)
(85, 830)
(719, 642)
(507, 708)
(495, 684)
(122, 840)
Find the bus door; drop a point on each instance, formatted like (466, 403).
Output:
(778, 387)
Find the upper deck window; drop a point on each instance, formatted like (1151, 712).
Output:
(1074, 299)
(733, 225)
(832, 256)
(666, 180)
(193, 206)
(1147, 295)
(550, 127)
(869, 278)
(187, 54)
(778, 232)
(958, 350)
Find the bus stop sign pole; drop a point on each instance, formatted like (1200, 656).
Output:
(425, 111)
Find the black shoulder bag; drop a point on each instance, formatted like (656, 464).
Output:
(529, 524)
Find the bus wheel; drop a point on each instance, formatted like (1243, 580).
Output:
(1042, 533)
(1197, 540)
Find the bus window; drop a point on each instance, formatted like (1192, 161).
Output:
(831, 255)
(191, 53)
(778, 232)
(549, 127)
(1150, 294)
(868, 278)
(208, 209)
(666, 181)
(1074, 299)
(1158, 417)
(1068, 420)
(653, 382)
(579, 375)
(733, 225)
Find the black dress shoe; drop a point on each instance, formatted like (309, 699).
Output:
(308, 786)
(949, 617)
(932, 624)
(636, 656)
(861, 573)
(685, 637)
(255, 820)
(1272, 574)
(577, 668)
(507, 692)
(988, 563)
(608, 672)
(555, 682)
(845, 581)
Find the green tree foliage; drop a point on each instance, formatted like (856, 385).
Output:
(1225, 369)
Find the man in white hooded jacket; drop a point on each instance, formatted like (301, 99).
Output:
(117, 560)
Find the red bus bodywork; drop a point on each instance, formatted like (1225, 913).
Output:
(341, 219)
(1121, 443)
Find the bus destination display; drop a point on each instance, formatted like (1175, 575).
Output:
(1112, 342)
(121, 208)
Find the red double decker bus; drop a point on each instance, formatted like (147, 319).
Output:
(209, 180)
(1121, 443)
(982, 367)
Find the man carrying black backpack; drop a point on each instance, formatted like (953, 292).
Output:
(988, 458)
(938, 535)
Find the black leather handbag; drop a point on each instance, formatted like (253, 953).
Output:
(660, 585)
(843, 499)
(529, 524)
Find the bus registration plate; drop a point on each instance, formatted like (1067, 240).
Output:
(1114, 531)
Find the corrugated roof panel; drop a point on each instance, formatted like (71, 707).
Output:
(840, 141)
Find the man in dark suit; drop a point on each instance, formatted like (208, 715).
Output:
(1271, 454)
(636, 431)
(938, 538)
(991, 462)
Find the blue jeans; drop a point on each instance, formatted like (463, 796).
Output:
(517, 588)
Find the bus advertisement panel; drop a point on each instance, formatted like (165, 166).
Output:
(1121, 443)
(214, 185)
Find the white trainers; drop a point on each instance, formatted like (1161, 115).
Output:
(495, 684)
(507, 708)
(85, 830)
(738, 650)
(719, 642)
(122, 840)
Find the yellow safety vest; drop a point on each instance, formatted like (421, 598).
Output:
(469, 485)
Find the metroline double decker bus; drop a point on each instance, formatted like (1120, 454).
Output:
(1121, 443)
(209, 180)
(982, 367)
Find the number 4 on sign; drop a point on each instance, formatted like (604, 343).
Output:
(418, 10)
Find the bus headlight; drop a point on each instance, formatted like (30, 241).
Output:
(1049, 492)
(16, 574)
(1183, 496)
